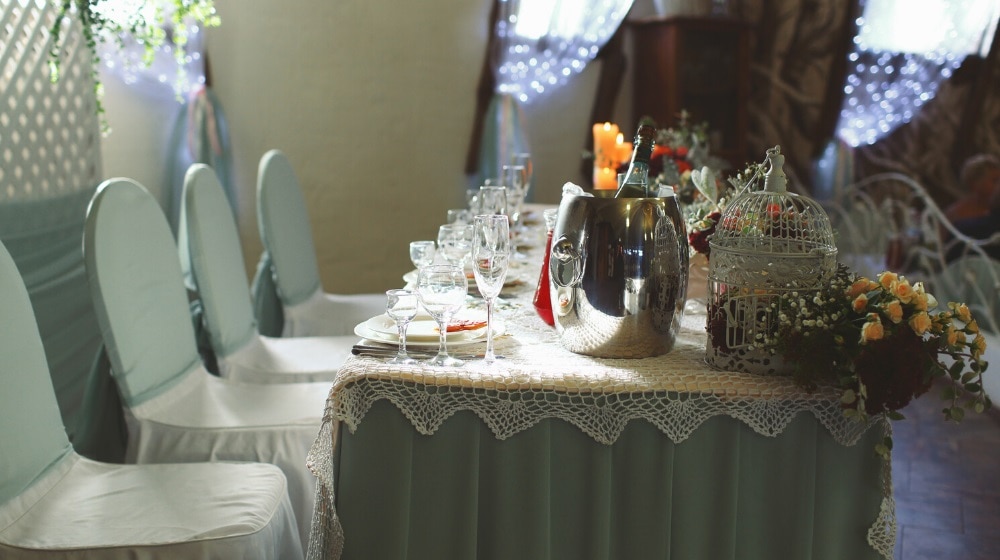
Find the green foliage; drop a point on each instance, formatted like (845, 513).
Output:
(886, 342)
(152, 24)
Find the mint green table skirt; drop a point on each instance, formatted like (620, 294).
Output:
(553, 493)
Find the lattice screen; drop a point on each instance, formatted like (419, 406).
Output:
(49, 132)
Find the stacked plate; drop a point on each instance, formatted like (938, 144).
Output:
(423, 330)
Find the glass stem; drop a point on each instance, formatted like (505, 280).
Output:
(443, 334)
(489, 357)
(401, 328)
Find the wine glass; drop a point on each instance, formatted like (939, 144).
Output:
(524, 158)
(442, 289)
(457, 216)
(422, 253)
(493, 200)
(490, 259)
(401, 306)
(455, 242)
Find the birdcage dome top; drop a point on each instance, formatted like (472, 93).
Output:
(773, 220)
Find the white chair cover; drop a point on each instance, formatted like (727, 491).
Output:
(284, 230)
(180, 411)
(56, 504)
(324, 314)
(214, 261)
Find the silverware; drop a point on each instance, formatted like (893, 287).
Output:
(390, 351)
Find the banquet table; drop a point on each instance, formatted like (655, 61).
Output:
(548, 454)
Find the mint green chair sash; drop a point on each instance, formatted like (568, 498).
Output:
(266, 303)
(284, 229)
(45, 238)
(214, 258)
(32, 436)
(136, 285)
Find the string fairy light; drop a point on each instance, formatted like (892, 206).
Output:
(543, 43)
(904, 49)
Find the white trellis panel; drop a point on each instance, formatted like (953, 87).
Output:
(49, 132)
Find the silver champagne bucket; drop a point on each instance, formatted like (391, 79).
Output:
(618, 271)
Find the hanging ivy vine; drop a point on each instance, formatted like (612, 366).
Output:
(150, 23)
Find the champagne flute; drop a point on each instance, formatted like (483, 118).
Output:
(455, 242)
(442, 289)
(513, 178)
(490, 259)
(524, 158)
(422, 253)
(401, 306)
(493, 200)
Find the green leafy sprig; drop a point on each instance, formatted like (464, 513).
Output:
(150, 25)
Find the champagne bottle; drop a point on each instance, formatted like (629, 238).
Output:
(636, 182)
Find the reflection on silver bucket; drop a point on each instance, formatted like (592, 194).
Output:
(618, 271)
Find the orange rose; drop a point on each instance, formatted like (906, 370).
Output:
(978, 346)
(894, 310)
(886, 279)
(860, 303)
(903, 290)
(952, 336)
(859, 287)
(920, 323)
(962, 311)
(872, 330)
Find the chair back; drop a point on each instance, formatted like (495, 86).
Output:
(284, 229)
(215, 259)
(138, 290)
(32, 436)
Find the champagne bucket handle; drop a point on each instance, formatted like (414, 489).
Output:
(566, 266)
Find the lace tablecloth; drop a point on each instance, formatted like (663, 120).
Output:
(538, 379)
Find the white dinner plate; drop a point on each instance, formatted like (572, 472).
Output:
(422, 331)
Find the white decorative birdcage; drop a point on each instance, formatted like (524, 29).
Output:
(768, 243)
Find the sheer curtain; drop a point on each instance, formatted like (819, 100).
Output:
(903, 50)
(537, 47)
(200, 131)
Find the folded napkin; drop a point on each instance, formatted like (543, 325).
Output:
(572, 189)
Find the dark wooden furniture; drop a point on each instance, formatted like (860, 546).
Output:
(696, 64)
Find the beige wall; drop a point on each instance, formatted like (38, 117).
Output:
(372, 101)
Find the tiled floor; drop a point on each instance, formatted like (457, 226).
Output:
(947, 484)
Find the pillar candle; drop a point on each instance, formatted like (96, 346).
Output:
(605, 178)
(605, 149)
(623, 150)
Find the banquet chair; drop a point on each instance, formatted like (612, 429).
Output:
(178, 411)
(288, 244)
(55, 503)
(213, 261)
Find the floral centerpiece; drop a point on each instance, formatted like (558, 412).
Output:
(883, 342)
(682, 159)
